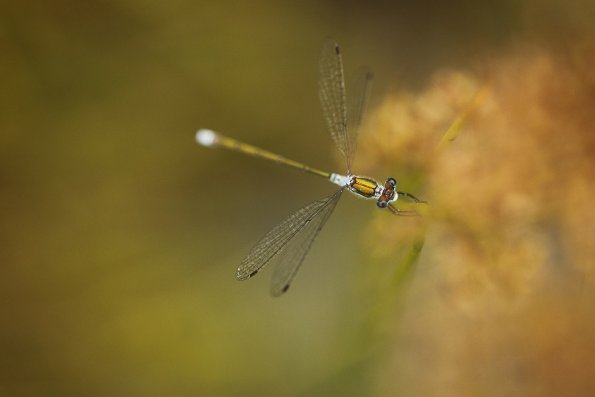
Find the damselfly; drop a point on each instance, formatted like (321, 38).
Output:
(291, 240)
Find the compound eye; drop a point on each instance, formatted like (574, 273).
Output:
(381, 203)
(392, 182)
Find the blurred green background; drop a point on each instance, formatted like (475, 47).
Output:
(121, 236)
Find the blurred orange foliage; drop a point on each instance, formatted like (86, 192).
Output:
(504, 294)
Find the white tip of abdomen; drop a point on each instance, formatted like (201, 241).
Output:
(206, 137)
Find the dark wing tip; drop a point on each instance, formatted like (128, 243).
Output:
(240, 275)
(279, 292)
(330, 42)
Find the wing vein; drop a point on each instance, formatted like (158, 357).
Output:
(277, 239)
(331, 90)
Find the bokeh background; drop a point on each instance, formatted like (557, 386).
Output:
(120, 236)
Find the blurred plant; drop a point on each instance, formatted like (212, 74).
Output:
(506, 272)
(411, 125)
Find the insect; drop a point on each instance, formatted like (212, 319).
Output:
(291, 239)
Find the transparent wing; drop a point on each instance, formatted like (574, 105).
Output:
(277, 239)
(359, 94)
(331, 89)
(296, 250)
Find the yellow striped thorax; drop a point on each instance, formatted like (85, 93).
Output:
(369, 188)
(365, 187)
